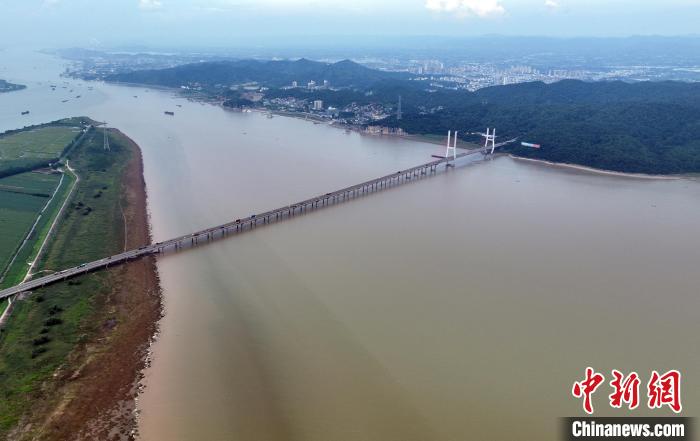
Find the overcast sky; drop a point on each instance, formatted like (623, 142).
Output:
(236, 22)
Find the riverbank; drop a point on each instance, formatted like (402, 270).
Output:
(72, 354)
(595, 170)
(428, 139)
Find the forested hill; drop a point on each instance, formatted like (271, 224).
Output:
(650, 127)
(267, 73)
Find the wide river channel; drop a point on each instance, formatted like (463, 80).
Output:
(462, 306)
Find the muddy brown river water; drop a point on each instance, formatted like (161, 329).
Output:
(458, 307)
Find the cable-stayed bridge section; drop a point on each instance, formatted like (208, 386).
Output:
(246, 224)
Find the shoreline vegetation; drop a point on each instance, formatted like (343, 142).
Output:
(60, 341)
(598, 171)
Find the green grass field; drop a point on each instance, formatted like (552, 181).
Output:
(43, 143)
(35, 147)
(22, 198)
(26, 189)
(30, 183)
(45, 328)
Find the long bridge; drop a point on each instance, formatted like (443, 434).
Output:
(250, 222)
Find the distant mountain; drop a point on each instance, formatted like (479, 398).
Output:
(267, 73)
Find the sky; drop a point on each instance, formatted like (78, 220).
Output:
(58, 23)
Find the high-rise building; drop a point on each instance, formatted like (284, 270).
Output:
(295, 84)
(326, 84)
(312, 84)
(398, 110)
(318, 105)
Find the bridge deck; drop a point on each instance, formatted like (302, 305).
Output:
(240, 225)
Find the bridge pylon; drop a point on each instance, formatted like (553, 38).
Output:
(490, 140)
(451, 147)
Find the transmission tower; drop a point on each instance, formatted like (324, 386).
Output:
(105, 143)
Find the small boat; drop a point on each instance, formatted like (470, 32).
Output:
(136, 96)
(64, 101)
(179, 105)
(169, 113)
(26, 112)
(78, 96)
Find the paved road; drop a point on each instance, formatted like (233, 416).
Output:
(240, 225)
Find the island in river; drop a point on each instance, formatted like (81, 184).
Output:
(10, 87)
(70, 354)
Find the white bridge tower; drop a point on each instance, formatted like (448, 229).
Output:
(451, 147)
(490, 140)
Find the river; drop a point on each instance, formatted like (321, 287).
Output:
(462, 306)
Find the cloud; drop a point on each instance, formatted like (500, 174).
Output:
(150, 5)
(552, 4)
(479, 8)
